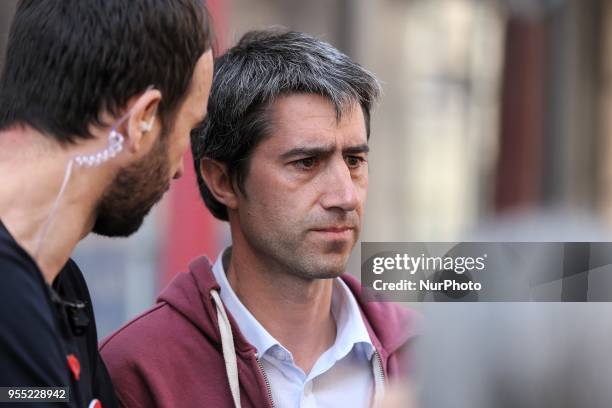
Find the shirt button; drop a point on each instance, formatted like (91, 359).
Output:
(308, 399)
(308, 388)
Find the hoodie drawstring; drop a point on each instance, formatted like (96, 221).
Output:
(229, 352)
(231, 365)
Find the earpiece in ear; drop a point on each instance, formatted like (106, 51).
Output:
(115, 146)
(146, 127)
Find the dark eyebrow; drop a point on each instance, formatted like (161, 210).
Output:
(364, 148)
(317, 151)
(320, 151)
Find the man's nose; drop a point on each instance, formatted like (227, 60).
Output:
(339, 188)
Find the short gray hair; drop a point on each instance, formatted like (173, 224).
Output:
(249, 77)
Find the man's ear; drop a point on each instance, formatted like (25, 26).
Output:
(143, 124)
(217, 180)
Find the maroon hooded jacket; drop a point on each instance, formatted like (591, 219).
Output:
(171, 355)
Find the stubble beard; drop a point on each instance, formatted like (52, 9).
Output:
(298, 256)
(133, 192)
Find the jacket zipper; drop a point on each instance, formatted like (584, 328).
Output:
(265, 376)
(380, 366)
(379, 380)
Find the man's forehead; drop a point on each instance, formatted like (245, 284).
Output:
(313, 119)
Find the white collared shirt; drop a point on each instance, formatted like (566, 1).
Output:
(341, 376)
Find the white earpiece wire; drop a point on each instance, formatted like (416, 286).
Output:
(115, 146)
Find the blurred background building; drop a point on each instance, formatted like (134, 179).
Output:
(491, 110)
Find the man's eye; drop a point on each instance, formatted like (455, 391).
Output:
(354, 162)
(306, 163)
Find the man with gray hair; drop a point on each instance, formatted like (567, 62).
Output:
(276, 321)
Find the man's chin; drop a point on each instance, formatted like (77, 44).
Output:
(115, 228)
(329, 266)
(114, 221)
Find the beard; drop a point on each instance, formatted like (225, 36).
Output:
(133, 192)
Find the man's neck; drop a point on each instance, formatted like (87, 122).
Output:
(32, 169)
(294, 311)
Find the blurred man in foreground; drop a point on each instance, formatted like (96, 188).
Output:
(528, 355)
(282, 156)
(97, 99)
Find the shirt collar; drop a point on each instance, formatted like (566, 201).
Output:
(251, 329)
(350, 328)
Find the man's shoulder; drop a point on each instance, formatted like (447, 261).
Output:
(23, 290)
(150, 357)
(178, 319)
(132, 352)
(161, 327)
(30, 349)
(151, 324)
